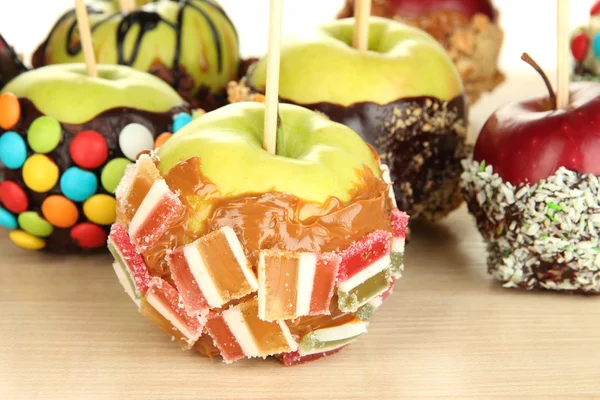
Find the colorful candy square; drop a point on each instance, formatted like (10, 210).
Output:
(331, 338)
(295, 284)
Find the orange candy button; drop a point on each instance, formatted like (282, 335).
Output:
(60, 211)
(10, 110)
(161, 139)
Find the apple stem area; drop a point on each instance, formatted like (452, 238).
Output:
(272, 118)
(562, 97)
(527, 58)
(85, 35)
(127, 6)
(362, 12)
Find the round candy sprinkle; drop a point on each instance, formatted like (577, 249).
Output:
(88, 235)
(77, 184)
(181, 120)
(10, 110)
(112, 173)
(27, 241)
(7, 220)
(580, 44)
(44, 134)
(161, 139)
(13, 197)
(135, 138)
(89, 149)
(32, 223)
(13, 150)
(596, 45)
(101, 209)
(40, 173)
(60, 211)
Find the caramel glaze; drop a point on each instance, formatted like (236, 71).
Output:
(272, 220)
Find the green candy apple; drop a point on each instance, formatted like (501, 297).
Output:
(191, 44)
(403, 96)
(67, 93)
(86, 127)
(315, 159)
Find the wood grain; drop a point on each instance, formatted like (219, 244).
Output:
(68, 331)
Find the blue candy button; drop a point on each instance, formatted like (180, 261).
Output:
(77, 184)
(13, 150)
(597, 45)
(181, 120)
(7, 220)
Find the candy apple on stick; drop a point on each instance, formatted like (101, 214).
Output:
(259, 230)
(67, 132)
(533, 185)
(401, 93)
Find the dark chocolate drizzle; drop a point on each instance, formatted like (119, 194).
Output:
(10, 64)
(146, 21)
(109, 123)
(425, 164)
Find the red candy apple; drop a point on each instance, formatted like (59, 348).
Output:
(595, 8)
(530, 140)
(415, 8)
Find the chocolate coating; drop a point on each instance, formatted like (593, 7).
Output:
(109, 124)
(10, 63)
(422, 139)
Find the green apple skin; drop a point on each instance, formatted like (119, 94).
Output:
(67, 93)
(320, 65)
(315, 158)
(198, 54)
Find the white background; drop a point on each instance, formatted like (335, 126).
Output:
(530, 25)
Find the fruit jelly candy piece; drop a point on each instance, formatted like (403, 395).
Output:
(351, 300)
(294, 358)
(224, 339)
(399, 223)
(257, 338)
(367, 311)
(126, 282)
(191, 296)
(131, 262)
(295, 284)
(157, 213)
(385, 174)
(219, 267)
(136, 184)
(328, 339)
(364, 259)
(165, 300)
(324, 283)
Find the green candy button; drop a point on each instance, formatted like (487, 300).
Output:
(44, 134)
(35, 225)
(112, 173)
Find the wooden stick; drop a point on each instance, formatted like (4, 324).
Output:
(362, 12)
(272, 92)
(127, 6)
(85, 36)
(562, 96)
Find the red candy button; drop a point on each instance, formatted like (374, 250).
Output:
(13, 197)
(89, 149)
(88, 235)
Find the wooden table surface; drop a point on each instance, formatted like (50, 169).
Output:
(68, 331)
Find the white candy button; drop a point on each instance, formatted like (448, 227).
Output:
(135, 138)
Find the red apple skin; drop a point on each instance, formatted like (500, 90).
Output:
(527, 141)
(416, 8)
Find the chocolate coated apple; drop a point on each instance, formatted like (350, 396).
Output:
(65, 141)
(533, 188)
(403, 96)
(10, 63)
(468, 30)
(191, 44)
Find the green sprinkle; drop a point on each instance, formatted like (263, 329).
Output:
(554, 206)
(596, 249)
(544, 236)
(482, 166)
(506, 254)
(552, 218)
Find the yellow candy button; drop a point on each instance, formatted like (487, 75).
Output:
(101, 209)
(27, 241)
(40, 173)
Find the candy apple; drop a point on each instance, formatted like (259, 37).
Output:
(190, 44)
(65, 140)
(403, 96)
(259, 254)
(533, 187)
(585, 47)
